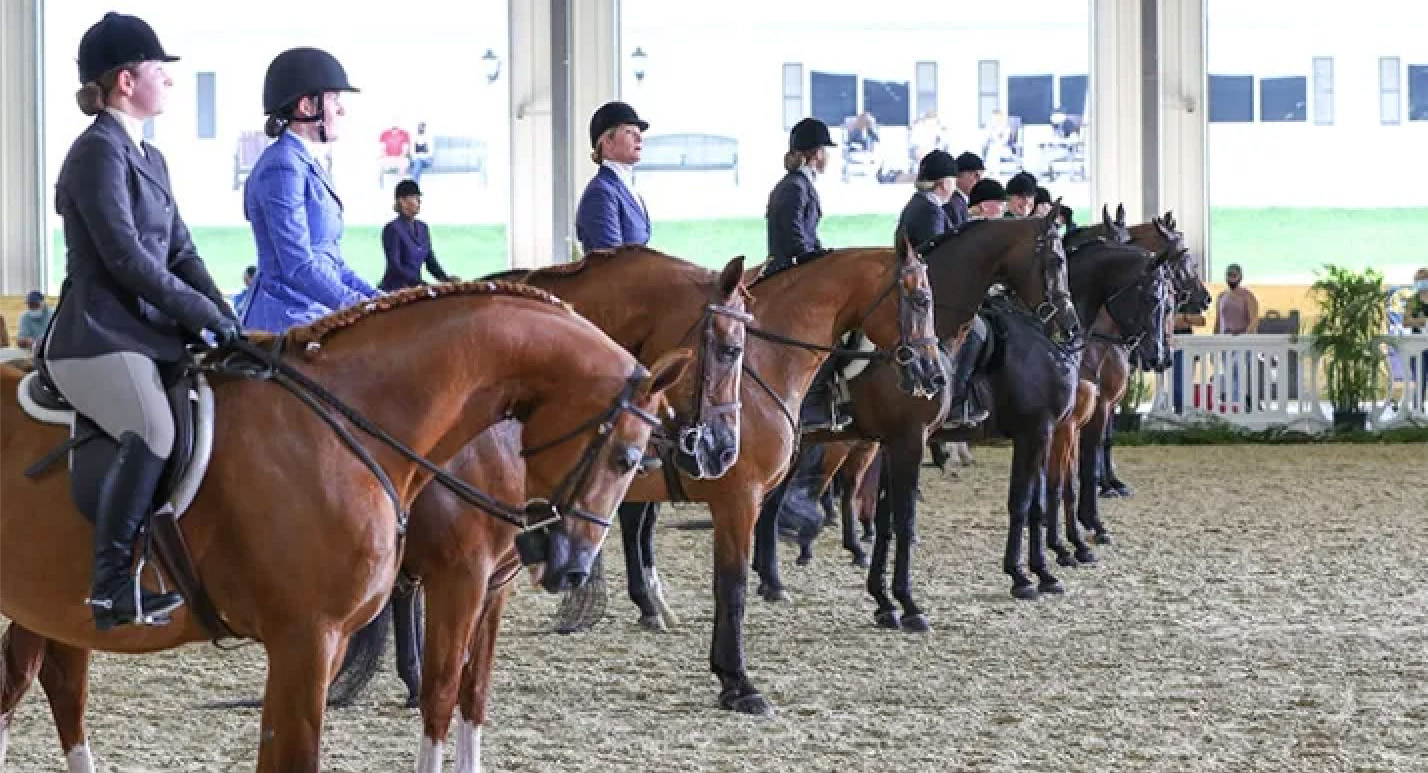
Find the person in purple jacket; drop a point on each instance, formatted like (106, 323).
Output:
(290, 201)
(611, 213)
(407, 243)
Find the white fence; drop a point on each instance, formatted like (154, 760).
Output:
(1262, 381)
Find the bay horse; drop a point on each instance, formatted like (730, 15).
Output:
(801, 313)
(304, 559)
(1025, 253)
(1109, 366)
(649, 303)
(1034, 383)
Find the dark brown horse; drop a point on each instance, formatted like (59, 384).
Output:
(1109, 366)
(1023, 253)
(295, 540)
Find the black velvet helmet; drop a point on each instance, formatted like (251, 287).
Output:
(936, 165)
(299, 72)
(810, 134)
(118, 39)
(610, 115)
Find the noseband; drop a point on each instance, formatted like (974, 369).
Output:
(691, 433)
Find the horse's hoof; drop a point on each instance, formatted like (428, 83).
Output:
(803, 560)
(1051, 585)
(1110, 493)
(1085, 556)
(1025, 592)
(1066, 559)
(413, 701)
(1104, 538)
(752, 704)
(916, 623)
(867, 536)
(653, 623)
(888, 619)
(774, 595)
(1125, 492)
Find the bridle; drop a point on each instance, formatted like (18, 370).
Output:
(247, 360)
(689, 433)
(1147, 294)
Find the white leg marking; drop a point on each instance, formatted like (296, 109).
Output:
(468, 747)
(79, 759)
(4, 742)
(656, 588)
(429, 756)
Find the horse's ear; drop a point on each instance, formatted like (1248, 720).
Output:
(1050, 224)
(667, 371)
(1107, 222)
(1169, 219)
(731, 277)
(1162, 229)
(1121, 215)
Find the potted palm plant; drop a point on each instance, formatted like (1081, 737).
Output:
(1351, 317)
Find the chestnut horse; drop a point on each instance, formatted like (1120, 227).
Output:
(649, 303)
(306, 557)
(801, 313)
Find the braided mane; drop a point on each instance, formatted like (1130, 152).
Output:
(314, 333)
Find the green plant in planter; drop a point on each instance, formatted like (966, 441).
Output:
(1351, 315)
(1128, 409)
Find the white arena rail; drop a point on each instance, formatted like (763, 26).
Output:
(1263, 381)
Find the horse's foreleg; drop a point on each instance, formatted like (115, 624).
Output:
(846, 493)
(23, 653)
(1088, 506)
(1112, 480)
(1058, 472)
(406, 627)
(1027, 482)
(886, 615)
(904, 460)
(453, 601)
(300, 664)
(1042, 520)
(476, 682)
(632, 520)
(734, 519)
(65, 678)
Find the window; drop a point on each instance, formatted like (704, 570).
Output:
(835, 97)
(1417, 92)
(887, 101)
(989, 90)
(926, 78)
(1323, 91)
(207, 112)
(1073, 95)
(1231, 99)
(792, 95)
(1029, 97)
(1283, 100)
(1390, 91)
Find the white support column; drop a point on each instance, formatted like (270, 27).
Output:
(1115, 97)
(594, 80)
(22, 195)
(529, 236)
(1184, 186)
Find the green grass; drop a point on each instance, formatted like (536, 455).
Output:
(1275, 246)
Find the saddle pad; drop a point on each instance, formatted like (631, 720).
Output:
(200, 403)
(859, 342)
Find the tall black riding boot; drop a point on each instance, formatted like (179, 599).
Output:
(126, 496)
(964, 410)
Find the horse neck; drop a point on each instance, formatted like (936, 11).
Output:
(1097, 272)
(964, 269)
(816, 303)
(475, 358)
(635, 297)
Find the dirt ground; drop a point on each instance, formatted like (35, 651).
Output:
(1264, 609)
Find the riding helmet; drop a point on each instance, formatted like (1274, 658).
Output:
(407, 188)
(986, 189)
(298, 72)
(809, 134)
(610, 115)
(118, 39)
(1022, 184)
(936, 165)
(970, 162)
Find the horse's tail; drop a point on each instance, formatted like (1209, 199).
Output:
(363, 659)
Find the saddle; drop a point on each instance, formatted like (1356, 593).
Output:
(91, 453)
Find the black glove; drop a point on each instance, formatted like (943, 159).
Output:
(225, 331)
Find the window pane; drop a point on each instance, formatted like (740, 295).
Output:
(1274, 207)
(1029, 98)
(1282, 99)
(210, 137)
(1231, 98)
(1323, 91)
(207, 109)
(1073, 95)
(835, 97)
(793, 80)
(1417, 92)
(887, 101)
(926, 87)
